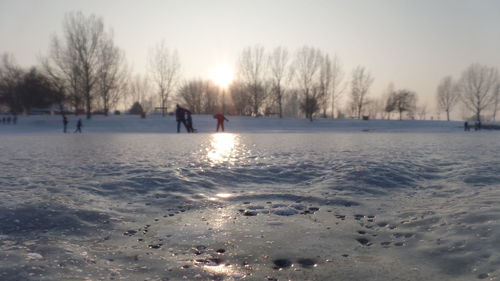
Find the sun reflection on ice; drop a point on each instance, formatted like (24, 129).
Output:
(222, 148)
(227, 270)
(219, 220)
(224, 195)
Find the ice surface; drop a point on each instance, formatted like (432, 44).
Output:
(340, 204)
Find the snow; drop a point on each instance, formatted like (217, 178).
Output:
(271, 199)
(237, 124)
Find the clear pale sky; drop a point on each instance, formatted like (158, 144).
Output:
(410, 43)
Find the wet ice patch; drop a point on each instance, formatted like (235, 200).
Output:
(284, 211)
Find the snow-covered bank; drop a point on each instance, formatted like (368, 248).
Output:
(237, 124)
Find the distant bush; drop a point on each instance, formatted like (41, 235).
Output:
(136, 109)
(117, 112)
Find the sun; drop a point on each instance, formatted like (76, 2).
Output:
(222, 75)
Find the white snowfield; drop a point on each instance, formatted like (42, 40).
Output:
(236, 124)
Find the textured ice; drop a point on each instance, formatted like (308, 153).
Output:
(335, 205)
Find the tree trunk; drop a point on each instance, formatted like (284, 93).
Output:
(162, 106)
(280, 108)
(280, 97)
(87, 105)
(333, 108)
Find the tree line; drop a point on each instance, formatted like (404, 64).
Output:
(478, 88)
(85, 71)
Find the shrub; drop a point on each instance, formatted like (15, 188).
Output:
(136, 109)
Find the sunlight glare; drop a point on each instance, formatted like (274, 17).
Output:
(224, 195)
(222, 75)
(222, 146)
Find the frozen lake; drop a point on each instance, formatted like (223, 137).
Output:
(250, 206)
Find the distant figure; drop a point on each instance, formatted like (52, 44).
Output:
(466, 126)
(8, 120)
(189, 122)
(180, 116)
(479, 125)
(65, 123)
(476, 126)
(14, 119)
(3, 120)
(220, 121)
(78, 126)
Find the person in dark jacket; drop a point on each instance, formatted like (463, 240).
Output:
(79, 126)
(180, 117)
(220, 121)
(65, 123)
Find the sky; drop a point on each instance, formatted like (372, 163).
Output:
(411, 43)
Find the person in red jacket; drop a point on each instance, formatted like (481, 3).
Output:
(220, 121)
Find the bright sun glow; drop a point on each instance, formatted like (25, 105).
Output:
(222, 75)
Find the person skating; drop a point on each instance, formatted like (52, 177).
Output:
(180, 116)
(79, 126)
(220, 121)
(65, 123)
(189, 122)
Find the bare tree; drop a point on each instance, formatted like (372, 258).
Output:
(83, 36)
(241, 99)
(76, 58)
(447, 95)
(330, 84)
(477, 86)
(57, 82)
(139, 91)
(292, 103)
(111, 73)
(191, 94)
(401, 101)
(337, 87)
(496, 101)
(165, 71)
(307, 66)
(60, 66)
(422, 112)
(324, 83)
(251, 72)
(360, 84)
(386, 99)
(10, 77)
(279, 63)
